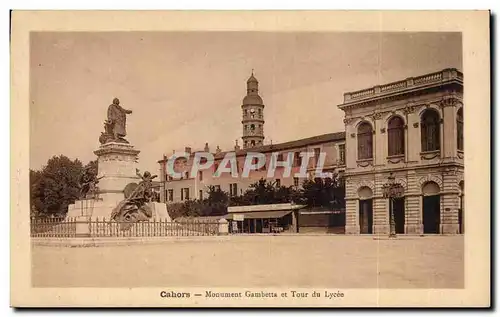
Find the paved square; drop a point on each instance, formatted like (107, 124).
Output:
(329, 261)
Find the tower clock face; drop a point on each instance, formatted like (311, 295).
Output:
(252, 110)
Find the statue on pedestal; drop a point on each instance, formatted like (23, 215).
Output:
(134, 207)
(115, 125)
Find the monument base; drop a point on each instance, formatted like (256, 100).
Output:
(93, 210)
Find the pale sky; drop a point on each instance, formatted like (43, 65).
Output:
(186, 89)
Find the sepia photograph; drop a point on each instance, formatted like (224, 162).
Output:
(239, 167)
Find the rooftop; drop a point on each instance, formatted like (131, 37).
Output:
(323, 138)
(428, 80)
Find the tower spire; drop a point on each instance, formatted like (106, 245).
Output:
(253, 115)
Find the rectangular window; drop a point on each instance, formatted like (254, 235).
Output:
(342, 154)
(233, 189)
(297, 159)
(280, 157)
(296, 181)
(316, 155)
(217, 187)
(186, 193)
(278, 182)
(200, 176)
(200, 195)
(170, 194)
(182, 193)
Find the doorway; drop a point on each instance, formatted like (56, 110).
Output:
(366, 216)
(398, 205)
(431, 213)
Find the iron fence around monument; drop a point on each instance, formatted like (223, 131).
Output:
(67, 228)
(53, 227)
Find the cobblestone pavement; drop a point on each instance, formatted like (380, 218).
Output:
(258, 261)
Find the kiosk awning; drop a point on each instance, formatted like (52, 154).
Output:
(261, 214)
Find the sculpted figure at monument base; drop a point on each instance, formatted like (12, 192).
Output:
(135, 207)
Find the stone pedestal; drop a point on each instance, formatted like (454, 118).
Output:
(160, 211)
(117, 163)
(223, 227)
(82, 229)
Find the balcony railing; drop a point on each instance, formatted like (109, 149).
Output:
(401, 85)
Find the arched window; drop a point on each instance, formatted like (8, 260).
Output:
(252, 143)
(365, 141)
(460, 129)
(252, 127)
(396, 136)
(430, 130)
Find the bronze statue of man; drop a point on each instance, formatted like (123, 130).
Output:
(117, 117)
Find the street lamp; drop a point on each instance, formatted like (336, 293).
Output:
(392, 190)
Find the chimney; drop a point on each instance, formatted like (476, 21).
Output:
(206, 149)
(187, 149)
(236, 146)
(218, 150)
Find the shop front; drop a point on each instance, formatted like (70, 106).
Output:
(275, 218)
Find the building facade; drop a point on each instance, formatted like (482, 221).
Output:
(411, 129)
(188, 187)
(414, 129)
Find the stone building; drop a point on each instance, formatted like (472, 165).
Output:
(412, 128)
(188, 187)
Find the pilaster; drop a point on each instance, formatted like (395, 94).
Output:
(351, 217)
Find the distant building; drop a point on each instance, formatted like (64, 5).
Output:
(187, 187)
(412, 128)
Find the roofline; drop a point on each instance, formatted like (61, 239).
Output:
(429, 80)
(335, 136)
(269, 207)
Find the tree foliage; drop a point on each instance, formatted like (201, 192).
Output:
(323, 192)
(55, 186)
(264, 192)
(214, 205)
(316, 193)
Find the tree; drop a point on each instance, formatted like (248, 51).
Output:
(264, 192)
(327, 192)
(214, 205)
(55, 186)
(216, 195)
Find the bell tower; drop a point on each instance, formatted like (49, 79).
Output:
(253, 115)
